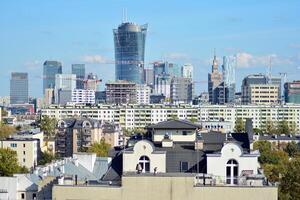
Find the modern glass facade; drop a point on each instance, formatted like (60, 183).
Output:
(19, 88)
(129, 39)
(228, 70)
(79, 70)
(292, 92)
(51, 68)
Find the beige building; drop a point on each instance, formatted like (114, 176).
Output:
(261, 94)
(26, 148)
(121, 92)
(162, 186)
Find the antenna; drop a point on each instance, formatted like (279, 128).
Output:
(124, 15)
(270, 69)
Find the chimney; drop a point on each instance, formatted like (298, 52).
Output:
(199, 142)
(249, 129)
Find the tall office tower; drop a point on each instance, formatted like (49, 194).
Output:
(257, 90)
(64, 85)
(49, 96)
(91, 83)
(182, 90)
(18, 88)
(214, 80)
(277, 81)
(50, 69)
(121, 92)
(292, 92)
(228, 71)
(187, 71)
(79, 70)
(129, 39)
(149, 77)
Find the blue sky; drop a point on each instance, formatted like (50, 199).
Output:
(80, 31)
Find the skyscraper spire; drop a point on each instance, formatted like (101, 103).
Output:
(215, 62)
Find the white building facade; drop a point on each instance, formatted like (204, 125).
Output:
(83, 96)
(143, 94)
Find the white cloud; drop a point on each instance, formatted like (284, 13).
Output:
(177, 56)
(96, 59)
(245, 60)
(33, 65)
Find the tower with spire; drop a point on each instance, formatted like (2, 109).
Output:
(214, 80)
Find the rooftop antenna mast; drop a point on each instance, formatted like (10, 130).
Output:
(124, 15)
(270, 70)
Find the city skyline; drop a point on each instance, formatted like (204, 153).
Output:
(185, 32)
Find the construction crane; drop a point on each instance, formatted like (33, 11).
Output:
(283, 76)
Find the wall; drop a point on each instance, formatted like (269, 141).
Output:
(175, 135)
(166, 188)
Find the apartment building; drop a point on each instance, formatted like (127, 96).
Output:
(26, 148)
(121, 92)
(139, 116)
(143, 93)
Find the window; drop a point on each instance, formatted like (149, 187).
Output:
(184, 166)
(34, 195)
(232, 172)
(144, 162)
(184, 132)
(23, 152)
(22, 196)
(13, 145)
(24, 145)
(23, 159)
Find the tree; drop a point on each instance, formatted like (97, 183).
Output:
(283, 127)
(6, 130)
(9, 163)
(270, 127)
(289, 187)
(48, 125)
(101, 149)
(46, 158)
(292, 148)
(257, 130)
(293, 127)
(4, 113)
(239, 125)
(193, 120)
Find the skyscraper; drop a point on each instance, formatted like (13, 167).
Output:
(228, 71)
(64, 85)
(149, 77)
(187, 71)
(51, 68)
(129, 39)
(182, 90)
(79, 71)
(214, 80)
(19, 88)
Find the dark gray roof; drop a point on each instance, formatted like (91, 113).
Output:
(280, 137)
(108, 128)
(174, 124)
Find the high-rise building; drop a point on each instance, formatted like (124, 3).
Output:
(64, 85)
(250, 80)
(129, 39)
(50, 69)
(182, 90)
(49, 97)
(187, 71)
(83, 96)
(143, 93)
(292, 92)
(79, 70)
(121, 92)
(214, 80)
(91, 82)
(149, 77)
(19, 88)
(277, 81)
(228, 71)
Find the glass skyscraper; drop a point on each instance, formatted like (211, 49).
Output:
(19, 88)
(228, 70)
(129, 39)
(79, 70)
(51, 68)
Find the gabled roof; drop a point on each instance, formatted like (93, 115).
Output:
(174, 124)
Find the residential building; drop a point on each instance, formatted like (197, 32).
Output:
(143, 94)
(292, 92)
(75, 135)
(83, 96)
(139, 116)
(121, 92)
(203, 98)
(129, 39)
(50, 69)
(187, 71)
(19, 88)
(149, 77)
(64, 85)
(162, 85)
(214, 80)
(182, 90)
(181, 169)
(79, 70)
(92, 82)
(26, 148)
